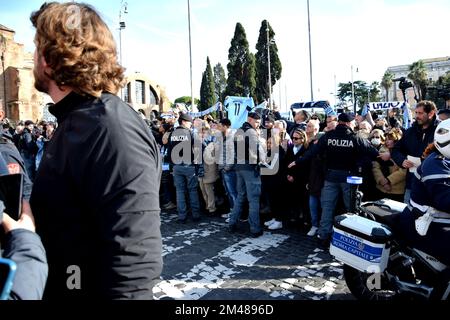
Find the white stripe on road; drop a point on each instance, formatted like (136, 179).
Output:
(311, 271)
(204, 230)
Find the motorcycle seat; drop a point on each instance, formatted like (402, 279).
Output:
(385, 212)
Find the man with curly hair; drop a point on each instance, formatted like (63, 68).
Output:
(95, 196)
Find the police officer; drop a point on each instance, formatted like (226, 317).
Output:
(13, 159)
(248, 155)
(185, 153)
(430, 200)
(341, 148)
(20, 241)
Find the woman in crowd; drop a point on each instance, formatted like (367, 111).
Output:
(389, 178)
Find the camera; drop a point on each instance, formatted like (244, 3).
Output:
(403, 85)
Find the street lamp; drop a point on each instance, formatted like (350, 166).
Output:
(124, 10)
(3, 50)
(353, 91)
(353, 94)
(190, 56)
(310, 55)
(268, 62)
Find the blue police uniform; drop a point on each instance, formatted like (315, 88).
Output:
(430, 188)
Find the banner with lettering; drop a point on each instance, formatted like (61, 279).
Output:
(329, 110)
(374, 106)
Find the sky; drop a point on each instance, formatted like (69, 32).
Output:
(370, 35)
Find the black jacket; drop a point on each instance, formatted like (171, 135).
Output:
(413, 143)
(14, 161)
(96, 201)
(27, 144)
(184, 147)
(300, 174)
(342, 150)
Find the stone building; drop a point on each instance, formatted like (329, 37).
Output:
(436, 68)
(21, 100)
(144, 95)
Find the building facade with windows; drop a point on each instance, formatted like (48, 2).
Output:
(20, 99)
(144, 95)
(436, 68)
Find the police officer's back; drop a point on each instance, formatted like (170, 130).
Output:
(341, 149)
(185, 150)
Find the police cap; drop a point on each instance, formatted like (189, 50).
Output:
(185, 117)
(346, 117)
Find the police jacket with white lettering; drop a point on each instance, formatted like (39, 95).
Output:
(184, 147)
(248, 148)
(15, 162)
(414, 142)
(341, 148)
(96, 203)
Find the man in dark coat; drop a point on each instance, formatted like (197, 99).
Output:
(96, 195)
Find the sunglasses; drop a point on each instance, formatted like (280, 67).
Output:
(295, 138)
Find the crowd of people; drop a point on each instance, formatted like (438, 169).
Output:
(306, 187)
(95, 192)
(314, 156)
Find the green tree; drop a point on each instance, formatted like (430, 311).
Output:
(241, 66)
(262, 62)
(220, 82)
(207, 96)
(187, 101)
(362, 92)
(418, 74)
(374, 92)
(387, 82)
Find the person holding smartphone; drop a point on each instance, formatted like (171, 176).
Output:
(23, 246)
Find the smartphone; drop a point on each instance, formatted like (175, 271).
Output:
(7, 273)
(11, 188)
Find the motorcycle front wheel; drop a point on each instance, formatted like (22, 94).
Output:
(369, 287)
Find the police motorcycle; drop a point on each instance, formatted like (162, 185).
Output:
(377, 266)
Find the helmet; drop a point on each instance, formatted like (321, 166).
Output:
(442, 138)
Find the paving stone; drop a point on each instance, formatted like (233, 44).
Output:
(204, 261)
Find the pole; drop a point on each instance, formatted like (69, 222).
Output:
(335, 91)
(279, 87)
(310, 55)
(190, 56)
(353, 94)
(123, 5)
(4, 85)
(286, 97)
(268, 63)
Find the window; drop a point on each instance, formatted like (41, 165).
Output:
(140, 92)
(126, 93)
(153, 97)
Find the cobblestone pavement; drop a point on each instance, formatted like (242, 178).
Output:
(203, 261)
